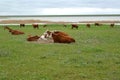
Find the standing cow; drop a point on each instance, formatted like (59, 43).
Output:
(88, 25)
(22, 25)
(112, 25)
(97, 24)
(74, 26)
(35, 26)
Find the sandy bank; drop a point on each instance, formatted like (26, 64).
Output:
(40, 21)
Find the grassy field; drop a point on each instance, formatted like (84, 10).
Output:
(94, 56)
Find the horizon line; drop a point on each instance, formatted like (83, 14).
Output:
(59, 15)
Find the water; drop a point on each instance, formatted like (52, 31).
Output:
(64, 18)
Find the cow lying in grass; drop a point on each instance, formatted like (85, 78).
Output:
(9, 29)
(57, 37)
(14, 32)
(33, 38)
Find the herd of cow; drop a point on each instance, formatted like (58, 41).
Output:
(55, 36)
(72, 25)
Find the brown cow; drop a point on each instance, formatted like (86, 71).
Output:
(58, 38)
(48, 34)
(35, 26)
(6, 27)
(74, 26)
(33, 38)
(61, 33)
(112, 25)
(97, 24)
(88, 25)
(14, 32)
(22, 25)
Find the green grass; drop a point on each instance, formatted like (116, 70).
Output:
(94, 56)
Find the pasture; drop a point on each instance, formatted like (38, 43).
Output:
(94, 56)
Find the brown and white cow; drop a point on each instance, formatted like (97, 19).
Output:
(57, 37)
(35, 26)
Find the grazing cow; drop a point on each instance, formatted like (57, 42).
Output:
(112, 25)
(14, 32)
(97, 24)
(74, 26)
(22, 25)
(33, 38)
(35, 26)
(58, 38)
(88, 25)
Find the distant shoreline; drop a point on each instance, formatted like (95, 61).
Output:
(49, 22)
(59, 15)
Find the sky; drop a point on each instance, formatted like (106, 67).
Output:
(59, 7)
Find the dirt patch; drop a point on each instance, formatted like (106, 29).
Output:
(45, 41)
